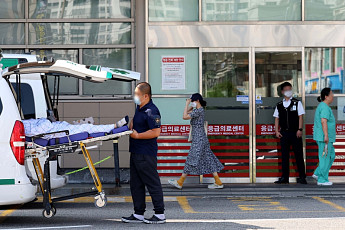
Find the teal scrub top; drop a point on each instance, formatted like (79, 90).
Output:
(324, 111)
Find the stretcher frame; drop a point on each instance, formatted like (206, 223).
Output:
(33, 151)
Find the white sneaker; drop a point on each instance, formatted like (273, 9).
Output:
(175, 184)
(325, 183)
(314, 176)
(215, 186)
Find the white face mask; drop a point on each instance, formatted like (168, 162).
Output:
(288, 93)
(136, 100)
(193, 104)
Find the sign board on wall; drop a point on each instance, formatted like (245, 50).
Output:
(339, 129)
(213, 130)
(173, 73)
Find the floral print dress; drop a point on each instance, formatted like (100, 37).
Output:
(200, 160)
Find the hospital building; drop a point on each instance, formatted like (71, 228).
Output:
(235, 53)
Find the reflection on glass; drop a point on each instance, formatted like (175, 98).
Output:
(120, 58)
(247, 10)
(325, 10)
(272, 69)
(80, 8)
(12, 9)
(225, 74)
(324, 67)
(12, 33)
(173, 10)
(12, 51)
(68, 85)
(79, 33)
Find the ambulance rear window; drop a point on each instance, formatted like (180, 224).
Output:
(27, 100)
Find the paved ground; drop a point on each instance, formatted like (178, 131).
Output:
(238, 206)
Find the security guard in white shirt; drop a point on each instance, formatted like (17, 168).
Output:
(289, 117)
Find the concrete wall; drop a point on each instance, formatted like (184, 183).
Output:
(103, 113)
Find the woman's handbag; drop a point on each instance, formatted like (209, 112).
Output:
(190, 131)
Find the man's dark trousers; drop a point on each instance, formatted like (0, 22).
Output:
(143, 170)
(287, 140)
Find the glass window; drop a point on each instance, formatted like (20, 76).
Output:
(324, 67)
(12, 9)
(12, 51)
(225, 75)
(171, 110)
(68, 85)
(325, 10)
(27, 101)
(79, 33)
(12, 33)
(188, 72)
(274, 68)
(120, 58)
(252, 10)
(79, 9)
(173, 10)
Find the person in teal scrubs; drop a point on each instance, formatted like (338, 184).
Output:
(324, 135)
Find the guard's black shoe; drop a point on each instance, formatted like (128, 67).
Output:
(302, 181)
(154, 220)
(131, 219)
(282, 181)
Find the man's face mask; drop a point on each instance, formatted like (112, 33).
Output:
(288, 93)
(136, 100)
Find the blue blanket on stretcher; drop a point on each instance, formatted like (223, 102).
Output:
(75, 137)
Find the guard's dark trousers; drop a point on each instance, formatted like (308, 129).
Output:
(290, 139)
(143, 170)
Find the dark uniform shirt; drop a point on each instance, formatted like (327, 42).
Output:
(146, 118)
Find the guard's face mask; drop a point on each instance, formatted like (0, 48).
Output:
(288, 93)
(136, 100)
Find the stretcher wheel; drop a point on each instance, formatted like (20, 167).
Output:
(100, 202)
(51, 213)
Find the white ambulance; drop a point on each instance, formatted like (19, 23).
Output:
(18, 180)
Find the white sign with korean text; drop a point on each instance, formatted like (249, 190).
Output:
(173, 73)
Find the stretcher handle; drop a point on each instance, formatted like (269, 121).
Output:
(44, 134)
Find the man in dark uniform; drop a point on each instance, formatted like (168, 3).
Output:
(289, 116)
(143, 161)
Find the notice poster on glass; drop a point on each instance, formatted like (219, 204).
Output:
(173, 73)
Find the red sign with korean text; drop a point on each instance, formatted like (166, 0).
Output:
(265, 129)
(340, 129)
(213, 130)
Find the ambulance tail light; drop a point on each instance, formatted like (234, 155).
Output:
(18, 142)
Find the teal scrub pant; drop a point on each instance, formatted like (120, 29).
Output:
(325, 162)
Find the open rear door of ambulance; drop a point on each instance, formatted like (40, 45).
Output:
(93, 73)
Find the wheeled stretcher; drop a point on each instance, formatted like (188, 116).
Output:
(37, 147)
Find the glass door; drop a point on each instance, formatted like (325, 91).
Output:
(272, 68)
(225, 86)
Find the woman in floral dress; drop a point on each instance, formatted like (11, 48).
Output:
(200, 160)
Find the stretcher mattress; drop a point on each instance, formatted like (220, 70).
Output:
(75, 137)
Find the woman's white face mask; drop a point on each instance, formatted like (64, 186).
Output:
(193, 104)
(288, 93)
